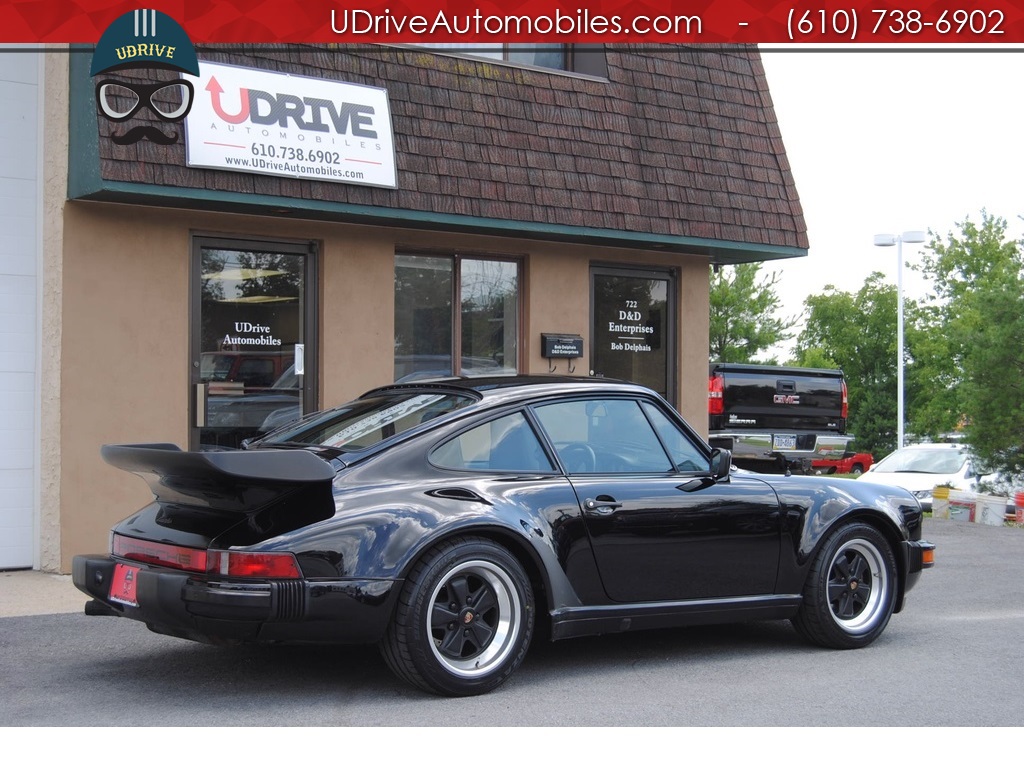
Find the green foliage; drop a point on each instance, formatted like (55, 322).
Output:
(743, 322)
(977, 326)
(857, 332)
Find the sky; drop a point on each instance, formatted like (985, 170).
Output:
(886, 141)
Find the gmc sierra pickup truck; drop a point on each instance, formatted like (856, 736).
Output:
(777, 418)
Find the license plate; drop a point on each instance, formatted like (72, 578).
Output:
(783, 442)
(124, 584)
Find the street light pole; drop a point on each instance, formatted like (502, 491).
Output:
(910, 236)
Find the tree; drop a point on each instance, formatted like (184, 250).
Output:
(743, 321)
(857, 332)
(979, 284)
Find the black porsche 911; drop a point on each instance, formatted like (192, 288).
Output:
(444, 519)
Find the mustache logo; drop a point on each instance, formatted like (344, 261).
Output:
(140, 132)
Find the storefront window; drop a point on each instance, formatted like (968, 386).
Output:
(251, 326)
(482, 334)
(632, 327)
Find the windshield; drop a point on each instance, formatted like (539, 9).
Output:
(936, 461)
(368, 421)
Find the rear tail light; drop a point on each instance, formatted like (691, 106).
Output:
(716, 392)
(156, 553)
(252, 565)
(846, 405)
(245, 565)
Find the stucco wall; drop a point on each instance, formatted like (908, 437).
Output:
(124, 363)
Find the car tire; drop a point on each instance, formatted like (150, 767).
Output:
(464, 619)
(851, 589)
(857, 470)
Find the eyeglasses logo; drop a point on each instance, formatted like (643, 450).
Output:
(144, 39)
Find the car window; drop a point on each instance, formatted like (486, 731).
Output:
(369, 420)
(687, 456)
(508, 444)
(603, 436)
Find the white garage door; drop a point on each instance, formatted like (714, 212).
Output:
(19, 259)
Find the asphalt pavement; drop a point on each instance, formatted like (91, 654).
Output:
(952, 658)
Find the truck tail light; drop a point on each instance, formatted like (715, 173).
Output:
(716, 390)
(846, 405)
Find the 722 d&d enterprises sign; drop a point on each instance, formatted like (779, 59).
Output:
(254, 121)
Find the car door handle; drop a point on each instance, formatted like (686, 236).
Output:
(602, 505)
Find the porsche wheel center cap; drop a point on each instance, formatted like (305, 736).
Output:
(468, 616)
(853, 586)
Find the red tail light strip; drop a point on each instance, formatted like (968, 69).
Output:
(156, 553)
(252, 565)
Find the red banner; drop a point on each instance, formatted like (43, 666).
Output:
(991, 23)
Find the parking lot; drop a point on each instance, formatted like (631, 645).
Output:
(952, 658)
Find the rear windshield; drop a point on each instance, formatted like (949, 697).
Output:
(365, 422)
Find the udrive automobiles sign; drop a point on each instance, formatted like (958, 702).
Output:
(254, 121)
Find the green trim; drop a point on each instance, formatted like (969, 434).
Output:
(720, 252)
(85, 183)
(83, 132)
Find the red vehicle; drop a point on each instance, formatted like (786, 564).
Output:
(850, 464)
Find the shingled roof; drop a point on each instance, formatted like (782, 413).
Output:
(680, 142)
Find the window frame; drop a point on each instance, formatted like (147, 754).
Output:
(456, 257)
(527, 423)
(588, 61)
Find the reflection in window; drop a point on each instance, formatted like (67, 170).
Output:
(507, 444)
(251, 317)
(423, 316)
(369, 420)
(686, 455)
(607, 436)
(427, 291)
(583, 59)
(547, 55)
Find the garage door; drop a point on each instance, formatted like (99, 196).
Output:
(19, 249)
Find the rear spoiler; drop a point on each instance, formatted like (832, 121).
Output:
(225, 481)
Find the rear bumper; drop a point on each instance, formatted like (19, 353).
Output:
(768, 446)
(212, 609)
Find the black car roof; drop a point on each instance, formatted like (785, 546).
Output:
(503, 387)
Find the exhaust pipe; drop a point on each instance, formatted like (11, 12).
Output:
(96, 608)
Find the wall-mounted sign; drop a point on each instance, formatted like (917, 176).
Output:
(253, 121)
(564, 345)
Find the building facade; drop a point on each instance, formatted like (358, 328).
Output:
(329, 219)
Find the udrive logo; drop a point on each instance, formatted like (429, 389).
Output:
(144, 40)
(306, 113)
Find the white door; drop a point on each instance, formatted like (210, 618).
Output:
(19, 258)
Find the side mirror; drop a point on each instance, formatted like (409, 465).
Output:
(721, 463)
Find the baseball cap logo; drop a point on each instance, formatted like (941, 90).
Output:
(144, 39)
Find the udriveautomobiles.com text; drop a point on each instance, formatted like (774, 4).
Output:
(479, 26)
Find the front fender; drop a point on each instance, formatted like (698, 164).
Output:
(815, 506)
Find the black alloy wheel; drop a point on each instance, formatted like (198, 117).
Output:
(851, 589)
(464, 620)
